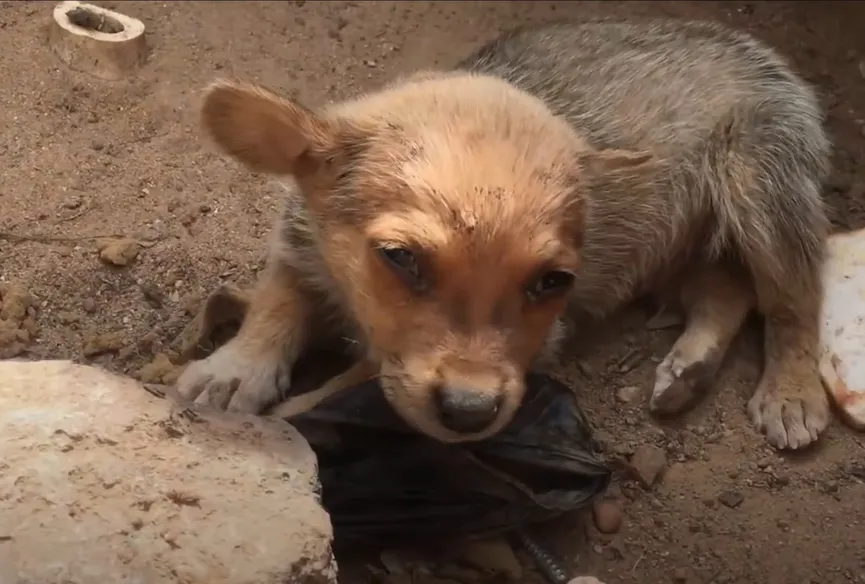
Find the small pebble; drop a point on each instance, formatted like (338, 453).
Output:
(628, 393)
(647, 464)
(608, 516)
(731, 499)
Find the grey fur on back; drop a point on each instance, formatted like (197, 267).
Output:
(739, 136)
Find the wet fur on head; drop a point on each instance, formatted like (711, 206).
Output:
(442, 218)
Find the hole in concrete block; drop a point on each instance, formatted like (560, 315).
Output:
(93, 21)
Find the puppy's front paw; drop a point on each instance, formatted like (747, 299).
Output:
(237, 379)
(685, 372)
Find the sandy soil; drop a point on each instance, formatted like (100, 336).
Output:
(85, 160)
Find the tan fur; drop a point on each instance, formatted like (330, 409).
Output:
(472, 210)
(488, 178)
(357, 373)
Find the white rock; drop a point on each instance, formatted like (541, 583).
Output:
(101, 481)
(842, 347)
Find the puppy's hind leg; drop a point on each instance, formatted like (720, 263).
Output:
(790, 405)
(716, 300)
(782, 242)
(768, 204)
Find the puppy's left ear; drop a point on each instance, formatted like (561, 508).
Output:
(269, 133)
(602, 162)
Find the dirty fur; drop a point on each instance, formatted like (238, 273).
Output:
(444, 223)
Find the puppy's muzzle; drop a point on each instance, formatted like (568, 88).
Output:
(467, 410)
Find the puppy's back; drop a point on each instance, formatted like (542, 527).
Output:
(736, 135)
(661, 85)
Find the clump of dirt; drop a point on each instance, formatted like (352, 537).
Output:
(119, 252)
(17, 320)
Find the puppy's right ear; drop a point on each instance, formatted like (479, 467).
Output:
(264, 131)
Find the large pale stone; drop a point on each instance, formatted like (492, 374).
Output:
(101, 481)
(842, 347)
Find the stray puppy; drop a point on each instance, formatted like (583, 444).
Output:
(445, 222)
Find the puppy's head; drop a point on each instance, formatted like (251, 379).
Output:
(450, 209)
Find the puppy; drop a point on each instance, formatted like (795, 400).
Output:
(446, 223)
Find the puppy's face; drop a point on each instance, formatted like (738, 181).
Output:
(450, 210)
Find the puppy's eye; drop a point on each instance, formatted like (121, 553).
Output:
(404, 263)
(550, 284)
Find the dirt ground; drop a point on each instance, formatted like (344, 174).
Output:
(85, 160)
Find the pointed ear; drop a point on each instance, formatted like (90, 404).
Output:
(262, 130)
(601, 162)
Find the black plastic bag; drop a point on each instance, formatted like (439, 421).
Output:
(385, 484)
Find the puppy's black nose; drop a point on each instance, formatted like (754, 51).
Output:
(465, 410)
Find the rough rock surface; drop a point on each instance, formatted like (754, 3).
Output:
(102, 481)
